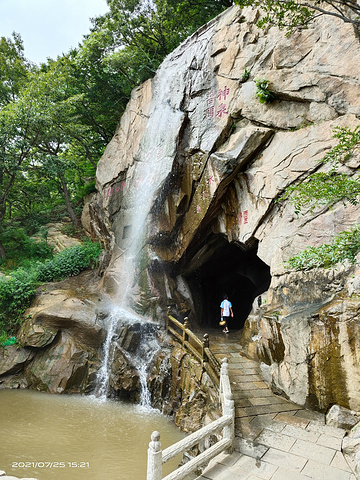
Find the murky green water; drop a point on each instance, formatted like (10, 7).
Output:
(76, 438)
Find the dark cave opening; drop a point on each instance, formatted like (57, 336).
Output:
(221, 267)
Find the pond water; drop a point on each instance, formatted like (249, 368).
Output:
(71, 437)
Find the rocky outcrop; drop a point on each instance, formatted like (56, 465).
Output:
(59, 341)
(124, 378)
(308, 338)
(57, 238)
(351, 449)
(217, 161)
(340, 417)
(180, 387)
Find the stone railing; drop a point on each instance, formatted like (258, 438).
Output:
(196, 347)
(157, 457)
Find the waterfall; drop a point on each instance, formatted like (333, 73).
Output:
(102, 380)
(146, 173)
(140, 357)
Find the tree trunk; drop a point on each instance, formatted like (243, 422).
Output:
(2, 252)
(67, 201)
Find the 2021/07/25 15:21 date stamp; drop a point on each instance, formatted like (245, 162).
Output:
(50, 464)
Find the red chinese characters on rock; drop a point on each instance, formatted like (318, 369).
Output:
(222, 94)
(243, 217)
(222, 110)
(110, 191)
(212, 110)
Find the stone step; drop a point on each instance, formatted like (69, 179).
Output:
(275, 439)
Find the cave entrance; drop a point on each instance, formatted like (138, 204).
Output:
(221, 267)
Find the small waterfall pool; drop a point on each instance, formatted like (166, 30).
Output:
(72, 437)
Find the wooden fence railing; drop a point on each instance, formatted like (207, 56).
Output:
(157, 457)
(198, 348)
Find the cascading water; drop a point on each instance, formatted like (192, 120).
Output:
(140, 357)
(102, 387)
(146, 173)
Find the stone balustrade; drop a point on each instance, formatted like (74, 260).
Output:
(157, 457)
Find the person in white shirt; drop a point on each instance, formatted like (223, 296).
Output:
(226, 312)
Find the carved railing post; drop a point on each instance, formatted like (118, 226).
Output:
(228, 406)
(154, 465)
(186, 326)
(229, 431)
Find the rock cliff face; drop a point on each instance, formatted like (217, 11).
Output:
(213, 224)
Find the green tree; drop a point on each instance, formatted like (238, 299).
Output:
(14, 68)
(292, 14)
(56, 119)
(14, 72)
(334, 185)
(340, 182)
(149, 30)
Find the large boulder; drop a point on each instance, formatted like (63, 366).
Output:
(67, 366)
(13, 359)
(307, 337)
(340, 417)
(60, 310)
(59, 340)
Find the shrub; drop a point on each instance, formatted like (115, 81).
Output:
(4, 341)
(17, 290)
(345, 246)
(16, 293)
(69, 262)
(20, 247)
(245, 76)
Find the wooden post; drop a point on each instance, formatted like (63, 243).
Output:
(167, 317)
(205, 344)
(154, 465)
(186, 326)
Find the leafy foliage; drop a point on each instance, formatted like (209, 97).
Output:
(14, 68)
(57, 118)
(245, 76)
(292, 14)
(20, 247)
(4, 340)
(326, 188)
(345, 246)
(18, 289)
(16, 293)
(262, 91)
(69, 262)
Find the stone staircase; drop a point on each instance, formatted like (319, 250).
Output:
(275, 439)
